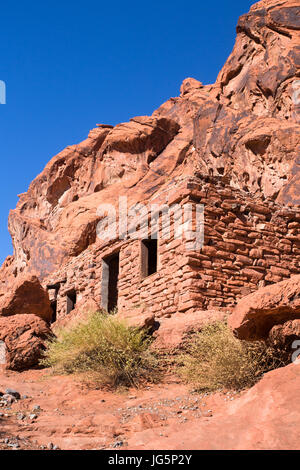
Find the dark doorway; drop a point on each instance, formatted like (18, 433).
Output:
(110, 277)
(71, 301)
(54, 311)
(149, 257)
(53, 290)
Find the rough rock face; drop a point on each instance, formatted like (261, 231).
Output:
(173, 331)
(245, 127)
(24, 337)
(138, 318)
(266, 417)
(284, 335)
(56, 219)
(27, 296)
(255, 315)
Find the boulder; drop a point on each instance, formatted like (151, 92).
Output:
(138, 318)
(283, 336)
(255, 315)
(26, 296)
(173, 331)
(24, 337)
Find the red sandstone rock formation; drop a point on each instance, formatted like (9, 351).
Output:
(240, 137)
(244, 127)
(26, 297)
(257, 313)
(138, 318)
(24, 337)
(266, 417)
(174, 331)
(283, 336)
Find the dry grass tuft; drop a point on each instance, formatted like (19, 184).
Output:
(104, 350)
(215, 360)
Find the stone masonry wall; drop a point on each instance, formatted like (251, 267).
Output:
(247, 245)
(159, 292)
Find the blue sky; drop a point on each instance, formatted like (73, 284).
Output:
(70, 65)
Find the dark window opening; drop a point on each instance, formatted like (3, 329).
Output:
(149, 257)
(71, 301)
(54, 311)
(110, 277)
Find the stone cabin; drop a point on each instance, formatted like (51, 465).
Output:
(247, 244)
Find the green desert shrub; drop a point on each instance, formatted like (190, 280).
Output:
(104, 350)
(215, 360)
